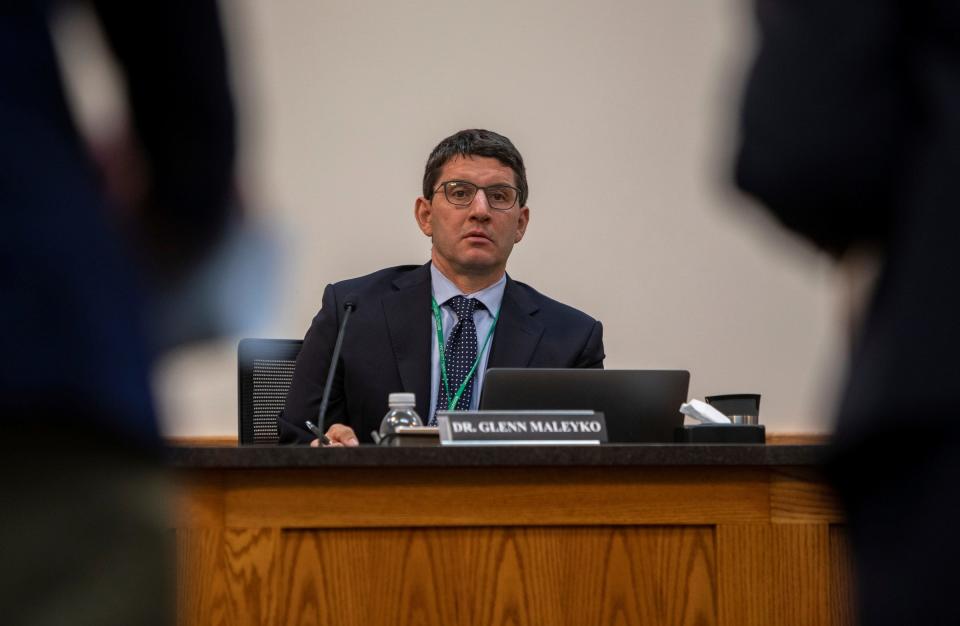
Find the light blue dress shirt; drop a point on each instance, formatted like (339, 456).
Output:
(443, 289)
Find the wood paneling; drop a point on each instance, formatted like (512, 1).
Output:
(227, 576)
(773, 574)
(251, 566)
(202, 595)
(564, 546)
(489, 576)
(799, 495)
(494, 496)
(842, 590)
(198, 499)
(797, 439)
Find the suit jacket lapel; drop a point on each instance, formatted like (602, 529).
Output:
(518, 332)
(407, 312)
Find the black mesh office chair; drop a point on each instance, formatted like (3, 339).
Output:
(264, 375)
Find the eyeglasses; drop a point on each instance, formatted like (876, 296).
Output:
(462, 193)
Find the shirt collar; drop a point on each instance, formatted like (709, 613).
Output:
(444, 289)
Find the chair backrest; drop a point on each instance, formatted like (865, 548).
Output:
(265, 369)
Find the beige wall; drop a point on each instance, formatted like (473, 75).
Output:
(624, 112)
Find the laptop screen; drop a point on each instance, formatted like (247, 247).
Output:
(639, 405)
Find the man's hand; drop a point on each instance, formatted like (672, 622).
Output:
(340, 436)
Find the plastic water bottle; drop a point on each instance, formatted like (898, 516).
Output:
(401, 413)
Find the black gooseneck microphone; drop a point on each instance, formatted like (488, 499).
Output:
(349, 305)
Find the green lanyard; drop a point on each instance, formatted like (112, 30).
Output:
(452, 402)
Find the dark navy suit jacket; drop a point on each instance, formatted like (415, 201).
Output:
(387, 347)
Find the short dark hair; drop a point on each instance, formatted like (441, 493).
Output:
(475, 142)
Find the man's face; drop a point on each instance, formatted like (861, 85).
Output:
(474, 240)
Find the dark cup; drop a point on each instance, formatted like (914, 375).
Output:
(741, 408)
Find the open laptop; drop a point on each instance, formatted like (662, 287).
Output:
(639, 405)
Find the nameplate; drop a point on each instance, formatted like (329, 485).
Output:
(513, 428)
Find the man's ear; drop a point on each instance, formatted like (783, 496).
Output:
(423, 211)
(522, 222)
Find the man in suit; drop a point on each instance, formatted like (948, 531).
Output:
(434, 329)
(851, 136)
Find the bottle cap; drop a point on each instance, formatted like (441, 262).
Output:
(402, 399)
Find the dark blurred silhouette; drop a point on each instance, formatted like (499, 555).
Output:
(851, 136)
(83, 531)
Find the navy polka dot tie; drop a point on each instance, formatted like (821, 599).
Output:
(460, 353)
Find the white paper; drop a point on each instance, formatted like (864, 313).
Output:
(703, 412)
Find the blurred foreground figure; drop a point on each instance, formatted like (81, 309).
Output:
(851, 136)
(84, 529)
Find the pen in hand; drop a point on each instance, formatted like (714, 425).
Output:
(316, 431)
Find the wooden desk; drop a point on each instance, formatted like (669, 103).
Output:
(652, 534)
